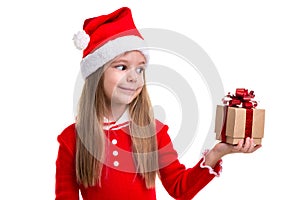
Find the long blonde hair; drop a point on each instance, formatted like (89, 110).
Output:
(90, 140)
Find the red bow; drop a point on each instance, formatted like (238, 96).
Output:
(242, 98)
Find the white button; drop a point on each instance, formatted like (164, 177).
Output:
(115, 153)
(114, 141)
(116, 163)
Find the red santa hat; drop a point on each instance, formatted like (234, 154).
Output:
(105, 37)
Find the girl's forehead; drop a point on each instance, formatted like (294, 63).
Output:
(135, 55)
(131, 53)
(126, 57)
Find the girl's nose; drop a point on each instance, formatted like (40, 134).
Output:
(132, 76)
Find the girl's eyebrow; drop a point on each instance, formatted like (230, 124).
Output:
(126, 61)
(120, 60)
(142, 63)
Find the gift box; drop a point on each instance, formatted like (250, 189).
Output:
(239, 118)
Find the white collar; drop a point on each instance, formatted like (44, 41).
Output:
(123, 121)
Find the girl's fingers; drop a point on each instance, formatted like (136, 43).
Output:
(246, 146)
(252, 145)
(239, 146)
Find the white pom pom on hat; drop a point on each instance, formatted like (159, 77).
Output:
(81, 40)
(107, 36)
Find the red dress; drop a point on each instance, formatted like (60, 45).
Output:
(118, 178)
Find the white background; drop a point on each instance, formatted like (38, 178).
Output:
(254, 44)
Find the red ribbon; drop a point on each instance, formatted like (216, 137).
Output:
(223, 132)
(248, 123)
(242, 98)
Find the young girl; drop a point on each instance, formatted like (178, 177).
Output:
(116, 148)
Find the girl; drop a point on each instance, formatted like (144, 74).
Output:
(116, 148)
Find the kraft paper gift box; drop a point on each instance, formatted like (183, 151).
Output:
(234, 123)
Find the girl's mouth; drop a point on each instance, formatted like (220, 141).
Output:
(127, 89)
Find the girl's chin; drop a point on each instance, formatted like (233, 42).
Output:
(123, 100)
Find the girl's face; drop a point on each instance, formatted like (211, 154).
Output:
(124, 78)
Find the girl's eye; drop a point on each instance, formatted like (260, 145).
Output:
(121, 67)
(140, 70)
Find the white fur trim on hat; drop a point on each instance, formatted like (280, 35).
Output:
(110, 50)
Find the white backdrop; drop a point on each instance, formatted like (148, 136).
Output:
(254, 44)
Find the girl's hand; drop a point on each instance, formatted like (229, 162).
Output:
(242, 147)
(221, 149)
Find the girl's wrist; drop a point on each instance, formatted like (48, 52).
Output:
(217, 153)
(212, 157)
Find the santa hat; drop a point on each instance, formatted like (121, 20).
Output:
(105, 37)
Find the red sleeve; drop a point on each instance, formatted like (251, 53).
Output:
(180, 183)
(66, 187)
